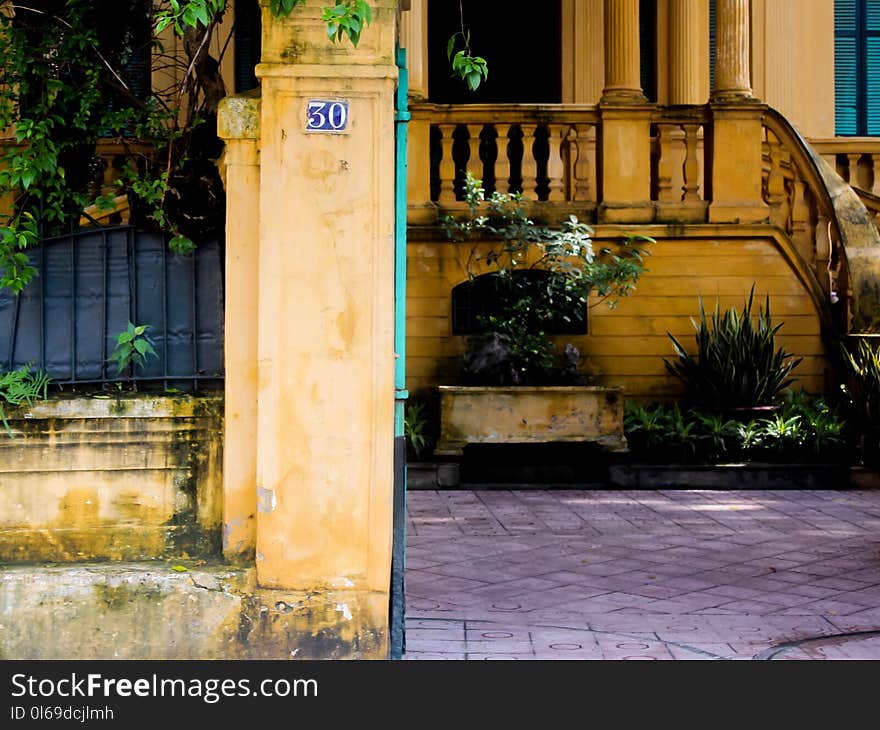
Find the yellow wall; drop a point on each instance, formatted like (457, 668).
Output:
(627, 345)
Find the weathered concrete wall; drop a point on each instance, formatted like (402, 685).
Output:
(112, 478)
(131, 611)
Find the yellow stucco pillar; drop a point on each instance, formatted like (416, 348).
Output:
(688, 65)
(736, 122)
(326, 312)
(238, 123)
(733, 76)
(583, 51)
(414, 37)
(622, 60)
(624, 179)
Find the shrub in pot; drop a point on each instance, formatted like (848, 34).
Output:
(737, 365)
(538, 276)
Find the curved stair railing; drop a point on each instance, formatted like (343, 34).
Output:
(828, 222)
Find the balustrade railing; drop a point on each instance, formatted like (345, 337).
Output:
(800, 205)
(856, 160)
(553, 154)
(550, 154)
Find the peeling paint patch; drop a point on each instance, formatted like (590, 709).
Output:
(266, 500)
(344, 610)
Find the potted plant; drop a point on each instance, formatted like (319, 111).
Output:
(528, 281)
(737, 369)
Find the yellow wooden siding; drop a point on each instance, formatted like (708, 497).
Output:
(626, 345)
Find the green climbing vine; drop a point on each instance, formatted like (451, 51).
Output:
(74, 72)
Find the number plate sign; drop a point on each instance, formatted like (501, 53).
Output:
(327, 115)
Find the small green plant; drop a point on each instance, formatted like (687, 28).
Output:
(416, 427)
(862, 393)
(647, 426)
(737, 364)
(805, 429)
(781, 435)
(716, 434)
(21, 386)
(133, 347)
(863, 373)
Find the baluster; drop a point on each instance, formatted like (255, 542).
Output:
(474, 163)
(584, 143)
(447, 166)
(529, 164)
(775, 194)
(822, 252)
(555, 167)
(801, 228)
(664, 162)
(854, 169)
(691, 166)
(875, 167)
(502, 159)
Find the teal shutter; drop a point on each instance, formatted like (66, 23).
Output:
(712, 44)
(846, 64)
(857, 67)
(248, 44)
(872, 68)
(648, 47)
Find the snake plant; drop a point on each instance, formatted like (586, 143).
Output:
(737, 363)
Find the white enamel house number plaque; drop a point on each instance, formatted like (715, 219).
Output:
(327, 115)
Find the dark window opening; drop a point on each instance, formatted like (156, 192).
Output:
(521, 45)
(248, 44)
(648, 47)
(553, 310)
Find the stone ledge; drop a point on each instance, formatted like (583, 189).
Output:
(729, 476)
(149, 611)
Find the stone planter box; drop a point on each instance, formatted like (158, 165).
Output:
(529, 415)
(729, 476)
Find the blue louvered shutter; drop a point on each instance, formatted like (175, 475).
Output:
(248, 43)
(857, 67)
(872, 67)
(846, 68)
(712, 44)
(648, 47)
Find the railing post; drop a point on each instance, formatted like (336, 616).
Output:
(420, 209)
(625, 132)
(736, 164)
(624, 170)
(736, 122)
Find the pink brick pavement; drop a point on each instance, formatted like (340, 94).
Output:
(637, 575)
